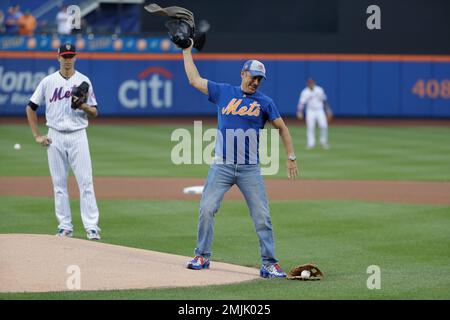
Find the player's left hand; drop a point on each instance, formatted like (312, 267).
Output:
(77, 102)
(79, 95)
(291, 167)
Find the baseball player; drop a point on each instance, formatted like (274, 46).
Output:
(241, 109)
(66, 142)
(315, 100)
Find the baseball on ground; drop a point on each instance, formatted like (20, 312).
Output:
(17, 146)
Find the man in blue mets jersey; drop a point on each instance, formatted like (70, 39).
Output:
(242, 111)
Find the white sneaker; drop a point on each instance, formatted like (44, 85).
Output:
(64, 233)
(93, 234)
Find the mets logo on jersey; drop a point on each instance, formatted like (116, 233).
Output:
(253, 108)
(59, 94)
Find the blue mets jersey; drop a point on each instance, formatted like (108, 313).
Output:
(240, 116)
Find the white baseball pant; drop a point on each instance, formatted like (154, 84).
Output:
(319, 117)
(72, 149)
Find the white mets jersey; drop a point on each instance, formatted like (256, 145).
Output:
(54, 91)
(313, 99)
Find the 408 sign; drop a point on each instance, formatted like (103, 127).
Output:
(432, 88)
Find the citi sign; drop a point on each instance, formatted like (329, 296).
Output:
(154, 88)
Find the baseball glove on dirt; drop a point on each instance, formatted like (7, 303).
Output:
(79, 95)
(315, 273)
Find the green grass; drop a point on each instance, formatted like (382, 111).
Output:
(409, 242)
(405, 153)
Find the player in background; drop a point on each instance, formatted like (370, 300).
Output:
(66, 141)
(240, 109)
(315, 100)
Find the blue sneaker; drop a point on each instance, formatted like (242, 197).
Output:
(198, 263)
(272, 271)
(64, 233)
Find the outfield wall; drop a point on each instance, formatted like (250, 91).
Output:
(154, 84)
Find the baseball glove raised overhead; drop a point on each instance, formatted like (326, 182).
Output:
(314, 272)
(180, 32)
(79, 95)
(182, 26)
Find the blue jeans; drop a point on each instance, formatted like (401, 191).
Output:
(221, 177)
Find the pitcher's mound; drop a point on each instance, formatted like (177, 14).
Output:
(41, 263)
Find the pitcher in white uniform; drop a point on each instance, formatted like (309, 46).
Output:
(315, 100)
(66, 141)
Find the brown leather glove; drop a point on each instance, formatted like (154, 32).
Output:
(315, 273)
(328, 112)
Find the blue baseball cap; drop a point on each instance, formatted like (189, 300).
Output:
(67, 48)
(255, 67)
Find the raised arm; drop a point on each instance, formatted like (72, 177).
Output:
(194, 77)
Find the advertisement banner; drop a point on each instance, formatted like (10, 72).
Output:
(159, 87)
